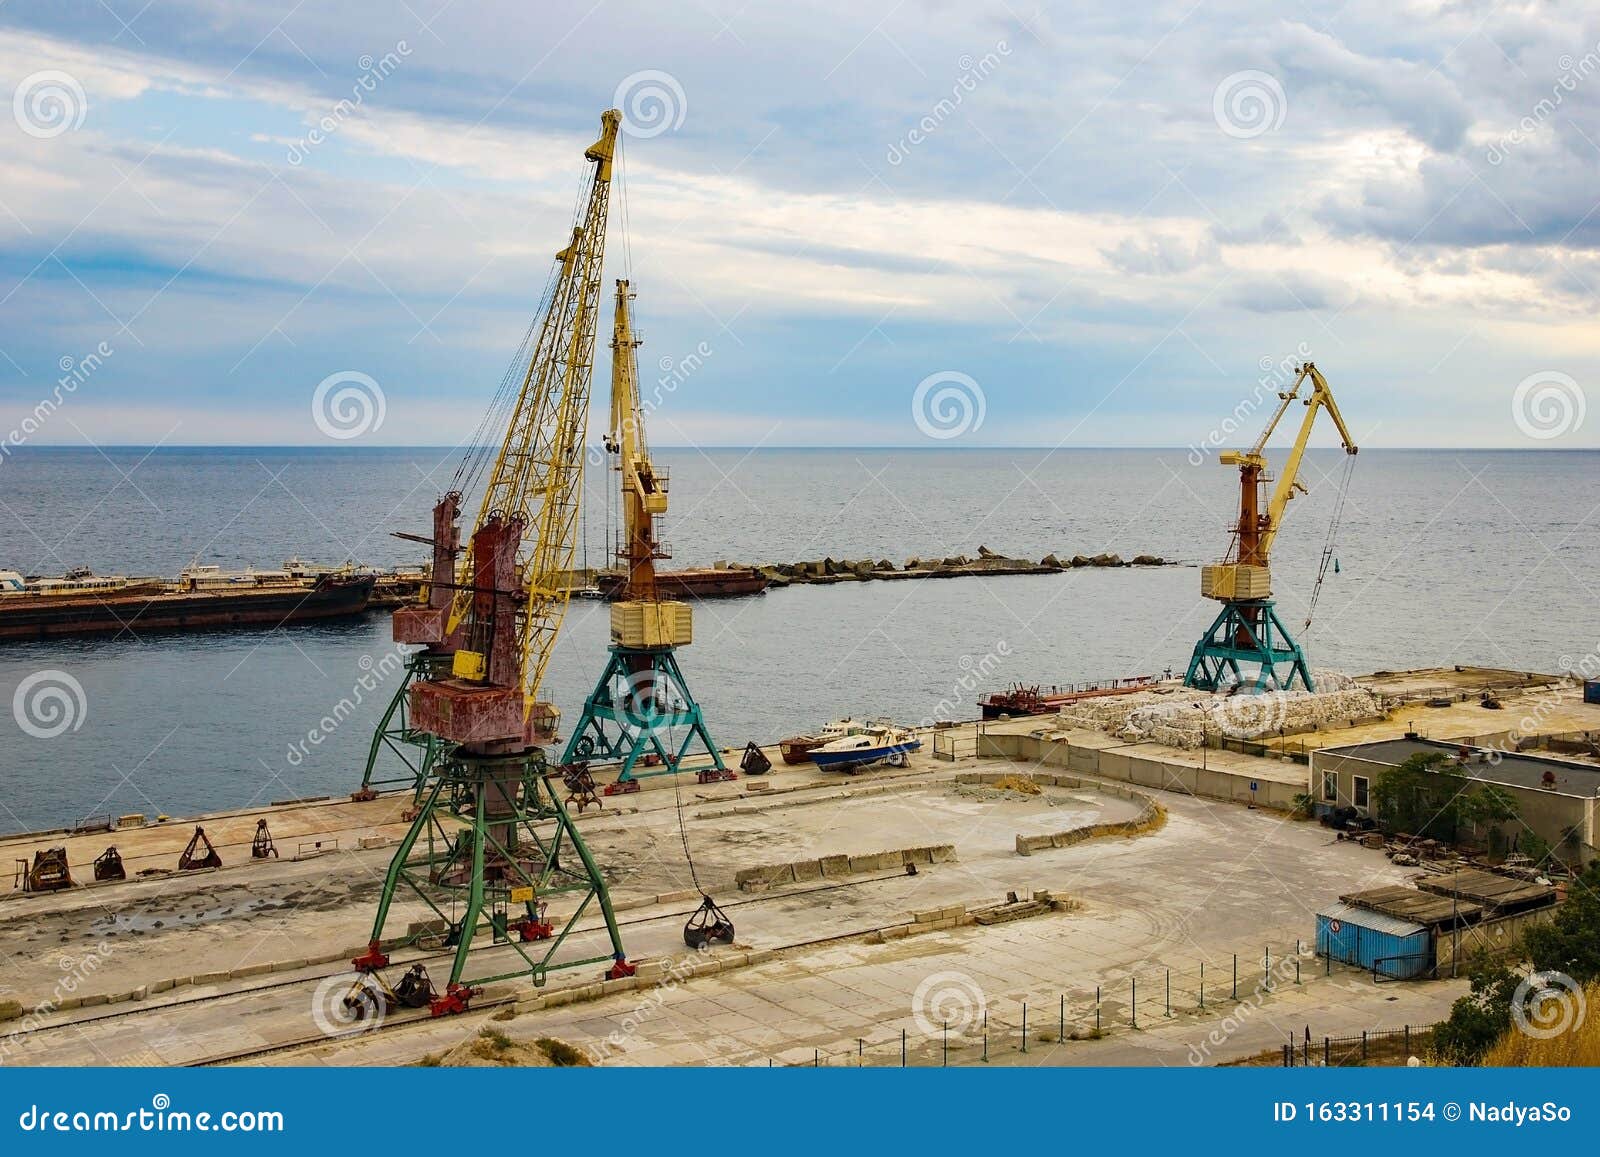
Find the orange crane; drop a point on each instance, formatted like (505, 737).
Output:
(492, 842)
(1248, 633)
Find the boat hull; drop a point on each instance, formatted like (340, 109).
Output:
(705, 583)
(861, 757)
(331, 597)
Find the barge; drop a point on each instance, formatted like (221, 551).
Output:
(694, 583)
(203, 598)
(1023, 699)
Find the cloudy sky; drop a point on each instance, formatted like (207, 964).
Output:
(1005, 223)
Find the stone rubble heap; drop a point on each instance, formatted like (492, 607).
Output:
(1189, 718)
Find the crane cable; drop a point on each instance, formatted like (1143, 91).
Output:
(1333, 531)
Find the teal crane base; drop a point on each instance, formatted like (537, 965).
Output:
(394, 736)
(1248, 644)
(492, 844)
(637, 709)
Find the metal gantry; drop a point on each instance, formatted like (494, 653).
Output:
(491, 843)
(1247, 644)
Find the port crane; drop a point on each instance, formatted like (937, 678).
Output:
(641, 701)
(492, 842)
(1248, 633)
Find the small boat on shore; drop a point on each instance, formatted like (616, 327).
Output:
(873, 743)
(1024, 699)
(797, 749)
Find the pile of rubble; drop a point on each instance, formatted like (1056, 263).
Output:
(1189, 718)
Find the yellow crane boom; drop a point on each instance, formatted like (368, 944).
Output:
(538, 471)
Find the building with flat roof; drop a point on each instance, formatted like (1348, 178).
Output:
(1556, 798)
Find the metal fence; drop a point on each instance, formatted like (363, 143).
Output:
(958, 1025)
(1388, 1047)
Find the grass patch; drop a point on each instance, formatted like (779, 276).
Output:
(430, 1061)
(10, 1010)
(563, 1055)
(507, 1013)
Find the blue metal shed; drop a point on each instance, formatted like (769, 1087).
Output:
(1388, 946)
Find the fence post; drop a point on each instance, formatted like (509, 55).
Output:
(1169, 992)
(861, 1052)
(1297, 970)
(1327, 1054)
(1097, 1010)
(1024, 1026)
(1266, 969)
(1363, 1044)
(1408, 1040)
(1133, 1009)
(902, 1048)
(946, 1044)
(1061, 1031)
(1202, 986)
(816, 1058)
(1235, 976)
(985, 1036)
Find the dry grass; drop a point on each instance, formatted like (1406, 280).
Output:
(563, 1055)
(1018, 783)
(1576, 1048)
(10, 1010)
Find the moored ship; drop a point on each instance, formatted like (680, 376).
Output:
(202, 598)
(695, 583)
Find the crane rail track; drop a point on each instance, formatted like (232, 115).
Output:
(322, 1038)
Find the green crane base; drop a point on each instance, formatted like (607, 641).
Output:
(491, 845)
(416, 750)
(632, 712)
(1248, 644)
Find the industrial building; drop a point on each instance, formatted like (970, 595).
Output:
(1556, 798)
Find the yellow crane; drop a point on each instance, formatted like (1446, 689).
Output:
(641, 710)
(1248, 632)
(492, 841)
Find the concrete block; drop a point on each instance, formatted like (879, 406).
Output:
(140, 993)
(68, 1003)
(620, 984)
(179, 981)
(159, 985)
(896, 931)
(928, 916)
(96, 999)
(249, 970)
(806, 871)
(650, 971)
(917, 856)
(833, 866)
(290, 965)
(953, 911)
(943, 852)
(761, 956)
(212, 977)
(556, 998)
(676, 897)
(707, 966)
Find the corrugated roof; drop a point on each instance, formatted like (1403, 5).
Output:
(1367, 918)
